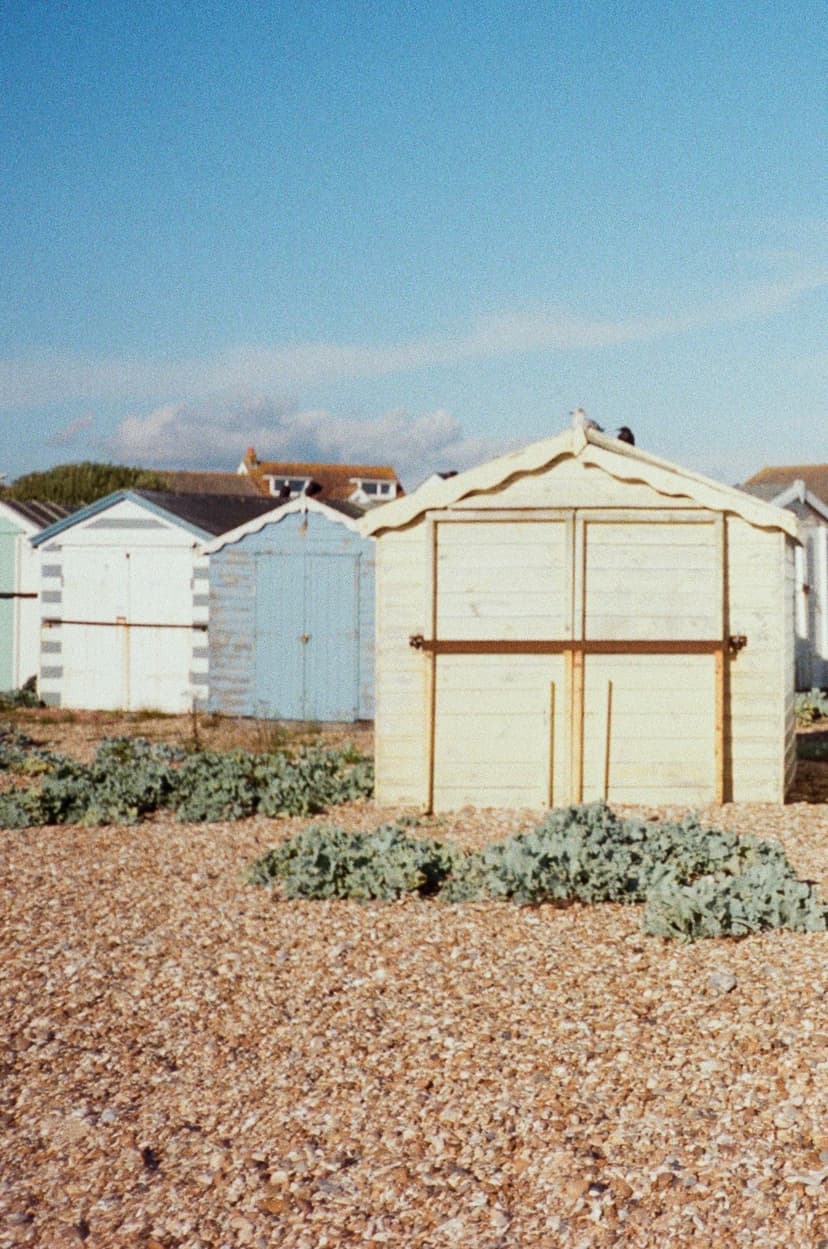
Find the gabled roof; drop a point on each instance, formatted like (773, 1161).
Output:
(619, 459)
(204, 515)
(337, 481)
(815, 477)
(797, 497)
(342, 513)
(212, 513)
(34, 514)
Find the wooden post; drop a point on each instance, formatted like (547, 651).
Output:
(551, 786)
(720, 724)
(607, 742)
(576, 721)
(722, 659)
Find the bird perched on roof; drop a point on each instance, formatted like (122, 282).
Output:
(580, 420)
(625, 434)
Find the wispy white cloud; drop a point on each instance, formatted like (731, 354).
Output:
(74, 431)
(178, 435)
(39, 381)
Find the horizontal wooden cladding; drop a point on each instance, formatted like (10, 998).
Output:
(559, 646)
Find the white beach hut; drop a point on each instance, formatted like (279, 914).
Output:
(581, 620)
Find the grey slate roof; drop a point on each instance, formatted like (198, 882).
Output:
(815, 477)
(214, 513)
(180, 481)
(37, 513)
(767, 490)
(352, 510)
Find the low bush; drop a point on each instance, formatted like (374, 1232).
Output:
(694, 881)
(131, 778)
(325, 862)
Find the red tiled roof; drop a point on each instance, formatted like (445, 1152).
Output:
(337, 481)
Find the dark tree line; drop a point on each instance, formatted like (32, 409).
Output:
(75, 485)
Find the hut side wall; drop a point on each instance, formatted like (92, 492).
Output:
(400, 721)
(812, 606)
(788, 675)
(9, 533)
(27, 613)
(232, 631)
(760, 704)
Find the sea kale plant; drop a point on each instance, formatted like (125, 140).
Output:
(130, 778)
(694, 881)
(323, 861)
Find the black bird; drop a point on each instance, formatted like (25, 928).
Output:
(625, 434)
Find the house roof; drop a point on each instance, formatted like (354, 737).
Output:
(796, 497)
(815, 477)
(338, 511)
(184, 482)
(205, 515)
(337, 481)
(37, 515)
(619, 459)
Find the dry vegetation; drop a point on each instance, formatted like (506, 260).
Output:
(188, 1061)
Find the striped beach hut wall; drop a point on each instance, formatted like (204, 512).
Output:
(125, 600)
(20, 521)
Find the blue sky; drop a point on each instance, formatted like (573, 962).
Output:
(411, 234)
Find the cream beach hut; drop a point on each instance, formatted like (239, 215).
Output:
(581, 620)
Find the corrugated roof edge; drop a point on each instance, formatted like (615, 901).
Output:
(348, 514)
(619, 459)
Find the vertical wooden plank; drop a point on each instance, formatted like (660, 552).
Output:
(576, 720)
(126, 664)
(607, 740)
(721, 657)
(432, 590)
(575, 661)
(550, 796)
(720, 724)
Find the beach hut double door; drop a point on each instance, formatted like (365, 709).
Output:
(307, 651)
(575, 655)
(125, 628)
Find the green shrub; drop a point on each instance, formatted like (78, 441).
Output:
(225, 786)
(326, 862)
(695, 881)
(759, 898)
(130, 778)
(26, 696)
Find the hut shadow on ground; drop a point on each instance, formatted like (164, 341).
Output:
(811, 783)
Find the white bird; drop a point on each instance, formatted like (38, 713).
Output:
(580, 420)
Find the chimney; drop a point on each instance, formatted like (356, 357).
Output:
(250, 456)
